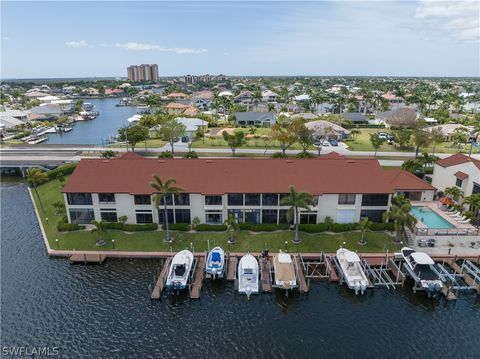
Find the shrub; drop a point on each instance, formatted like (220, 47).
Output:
(131, 227)
(305, 154)
(177, 226)
(190, 154)
(382, 226)
(166, 154)
(279, 155)
(211, 228)
(314, 228)
(264, 227)
(63, 170)
(342, 227)
(64, 226)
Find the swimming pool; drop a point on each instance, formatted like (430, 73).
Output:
(430, 218)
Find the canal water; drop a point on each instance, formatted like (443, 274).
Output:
(104, 311)
(96, 132)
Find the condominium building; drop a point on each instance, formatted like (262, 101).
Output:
(251, 190)
(142, 72)
(457, 170)
(193, 79)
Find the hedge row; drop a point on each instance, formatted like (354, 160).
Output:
(342, 227)
(265, 227)
(63, 170)
(211, 228)
(64, 226)
(131, 227)
(177, 226)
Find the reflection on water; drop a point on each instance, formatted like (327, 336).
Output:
(105, 311)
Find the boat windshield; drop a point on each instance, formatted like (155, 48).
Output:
(179, 270)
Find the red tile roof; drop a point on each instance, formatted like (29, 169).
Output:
(461, 175)
(330, 174)
(402, 181)
(458, 159)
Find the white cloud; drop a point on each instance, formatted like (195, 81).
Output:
(76, 44)
(138, 46)
(461, 19)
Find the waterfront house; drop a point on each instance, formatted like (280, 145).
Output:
(176, 108)
(457, 171)
(357, 118)
(259, 119)
(249, 189)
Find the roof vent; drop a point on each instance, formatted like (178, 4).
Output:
(289, 161)
(161, 161)
(350, 161)
(209, 161)
(105, 161)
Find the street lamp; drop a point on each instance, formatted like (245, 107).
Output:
(286, 246)
(46, 218)
(113, 243)
(56, 240)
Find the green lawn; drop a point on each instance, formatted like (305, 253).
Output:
(153, 240)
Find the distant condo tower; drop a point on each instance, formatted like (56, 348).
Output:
(193, 79)
(143, 72)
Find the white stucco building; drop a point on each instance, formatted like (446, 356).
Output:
(457, 170)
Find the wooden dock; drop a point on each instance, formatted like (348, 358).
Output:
(232, 268)
(157, 290)
(87, 258)
(466, 277)
(333, 273)
(302, 283)
(265, 265)
(198, 278)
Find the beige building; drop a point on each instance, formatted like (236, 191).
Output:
(144, 72)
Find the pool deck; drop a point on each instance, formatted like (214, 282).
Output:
(434, 207)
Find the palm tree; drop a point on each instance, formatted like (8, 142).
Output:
(232, 228)
(355, 133)
(473, 138)
(296, 201)
(162, 189)
(473, 202)
(454, 192)
(401, 217)
(436, 135)
(215, 103)
(257, 97)
(99, 228)
(427, 160)
(36, 177)
(364, 225)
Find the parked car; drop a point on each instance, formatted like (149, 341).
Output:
(185, 139)
(326, 144)
(334, 142)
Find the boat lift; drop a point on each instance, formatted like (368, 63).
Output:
(314, 268)
(389, 274)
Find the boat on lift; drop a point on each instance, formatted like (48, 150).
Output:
(419, 266)
(215, 267)
(352, 270)
(248, 275)
(284, 271)
(179, 271)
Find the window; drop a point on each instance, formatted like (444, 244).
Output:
(235, 199)
(182, 216)
(108, 216)
(282, 216)
(375, 200)
(270, 199)
(81, 215)
(346, 198)
(269, 216)
(144, 217)
(237, 214)
(161, 215)
(213, 200)
(252, 199)
(142, 199)
(106, 197)
(182, 199)
(476, 188)
(345, 216)
(167, 198)
(79, 198)
(252, 216)
(308, 217)
(282, 196)
(459, 182)
(373, 215)
(213, 217)
(315, 201)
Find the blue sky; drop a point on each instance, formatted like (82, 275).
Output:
(397, 38)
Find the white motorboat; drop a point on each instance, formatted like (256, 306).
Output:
(419, 266)
(179, 270)
(352, 270)
(215, 267)
(284, 271)
(248, 275)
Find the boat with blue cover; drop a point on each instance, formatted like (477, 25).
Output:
(215, 267)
